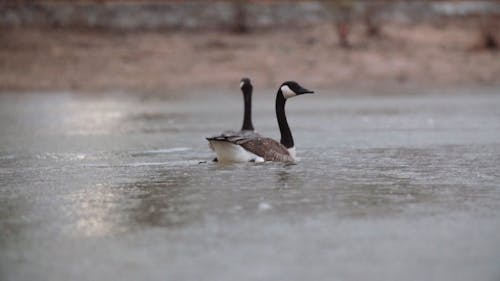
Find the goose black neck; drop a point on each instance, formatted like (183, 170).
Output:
(286, 134)
(247, 115)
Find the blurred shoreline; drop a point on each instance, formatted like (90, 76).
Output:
(178, 47)
(163, 62)
(225, 14)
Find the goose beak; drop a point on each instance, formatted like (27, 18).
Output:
(305, 91)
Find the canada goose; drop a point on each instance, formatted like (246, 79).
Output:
(247, 126)
(244, 148)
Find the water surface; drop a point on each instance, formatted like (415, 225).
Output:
(119, 187)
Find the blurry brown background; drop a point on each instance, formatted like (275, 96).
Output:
(177, 46)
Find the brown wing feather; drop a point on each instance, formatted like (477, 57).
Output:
(266, 148)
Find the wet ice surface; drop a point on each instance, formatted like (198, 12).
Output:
(388, 188)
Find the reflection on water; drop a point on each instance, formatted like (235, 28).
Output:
(93, 210)
(157, 200)
(163, 199)
(136, 178)
(288, 180)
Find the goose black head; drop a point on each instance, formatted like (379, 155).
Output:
(246, 85)
(291, 89)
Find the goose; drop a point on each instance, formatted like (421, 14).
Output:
(256, 148)
(247, 128)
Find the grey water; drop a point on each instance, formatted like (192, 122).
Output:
(119, 187)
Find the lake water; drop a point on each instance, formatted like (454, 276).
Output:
(122, 188)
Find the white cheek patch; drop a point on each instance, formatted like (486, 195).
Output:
(287, 92)
(241, 84)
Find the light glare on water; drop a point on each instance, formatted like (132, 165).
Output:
(388, 188)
